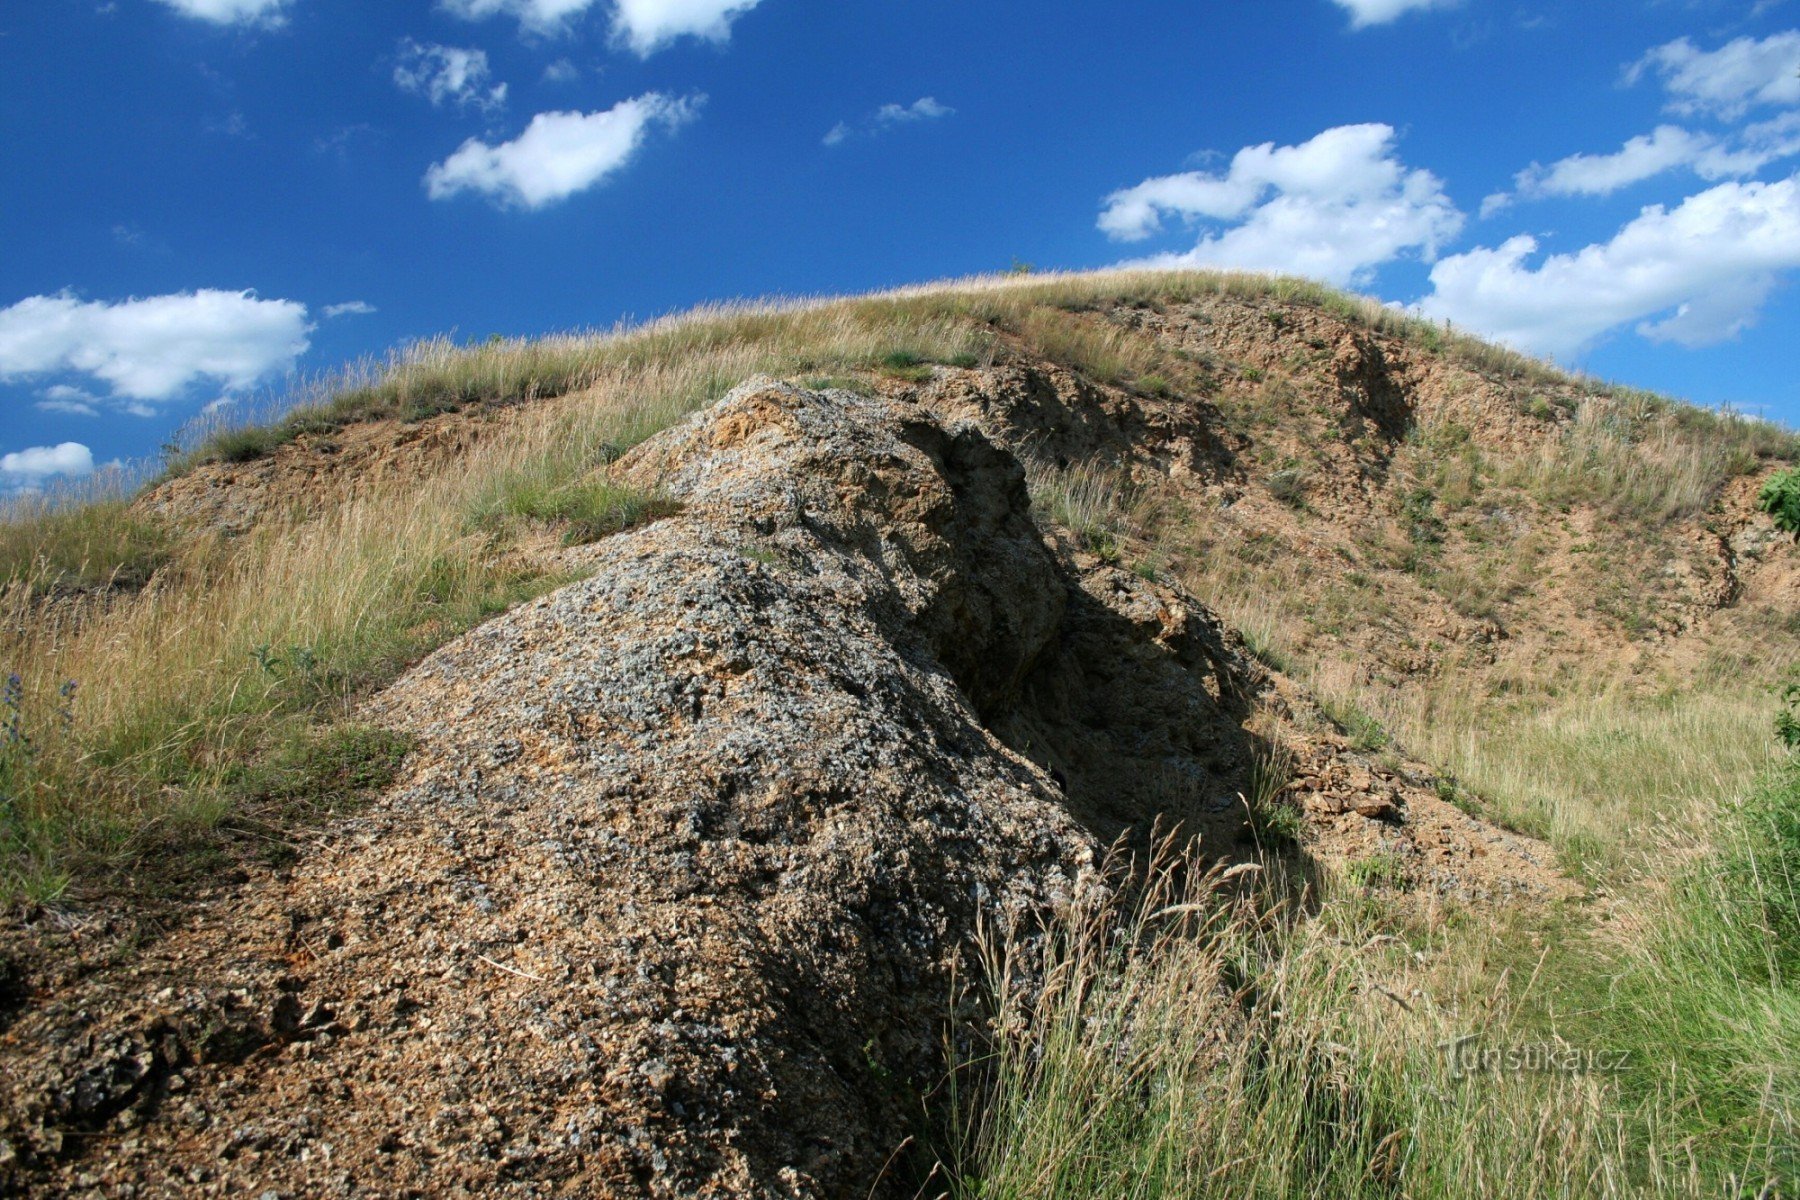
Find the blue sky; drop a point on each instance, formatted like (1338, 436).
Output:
(204, 196)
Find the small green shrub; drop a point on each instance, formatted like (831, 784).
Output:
(1780, 498)
(1102, 543)
(245, 443)
(1377, 870)
(1787, 720)
(1364, 731)
(1424, 528)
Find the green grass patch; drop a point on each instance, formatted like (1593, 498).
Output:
(588, 510)
(50, 545)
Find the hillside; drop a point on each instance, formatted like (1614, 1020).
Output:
(611, 764)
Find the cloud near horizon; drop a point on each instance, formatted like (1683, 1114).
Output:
(1333, 208)
(1694, 275)
(1666, 148)
(28, 469)
(151, 349)
(559, 154)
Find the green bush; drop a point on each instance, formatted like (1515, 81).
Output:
(1780, 498)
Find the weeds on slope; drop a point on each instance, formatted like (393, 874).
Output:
(1637, 456)
(1206, 1039)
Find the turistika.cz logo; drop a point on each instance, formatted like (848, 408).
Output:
(1467, 1056)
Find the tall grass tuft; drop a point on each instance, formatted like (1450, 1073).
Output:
(1200, 1039)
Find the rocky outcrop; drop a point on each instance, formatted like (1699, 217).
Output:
(670, 900)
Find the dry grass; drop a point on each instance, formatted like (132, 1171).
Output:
(82, 540)
(1642, 457)
(1200, 1037)
(1198, 1040)
(952, 321)
(1611, 777)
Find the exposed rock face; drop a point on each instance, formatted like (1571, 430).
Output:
(669, 900)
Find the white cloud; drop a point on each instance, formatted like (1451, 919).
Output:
(232, 12)
(559, 154)
(1364, 13)
(350, 308)
(538, 16)
(1668, 148)
(447, 75)
(1495, 204)
(562, 71)
(1693, 275)
(152, 348)
(72, 401)
(1602, 174)
(26, 469)
(1729, 81)
(1333, 208)
(648, 25)
(925, 108)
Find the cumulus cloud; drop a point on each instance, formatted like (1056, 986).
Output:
(1729, 81)
(447, 75)
(1693, 275)
(1333, 208)
(559, 154)
(646, 26)
(649, 25)
(232, 12)
(925, 108)
(152, 348)
(350, 308)
(27, 469)
(1364, 13)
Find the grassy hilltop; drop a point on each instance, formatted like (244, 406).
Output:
(1560, 594)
